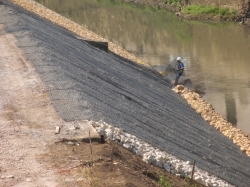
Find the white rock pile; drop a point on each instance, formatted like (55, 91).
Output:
(155, 156)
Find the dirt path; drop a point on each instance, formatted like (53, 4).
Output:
(27, 120)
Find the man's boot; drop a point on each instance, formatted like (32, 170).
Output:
(176, 82)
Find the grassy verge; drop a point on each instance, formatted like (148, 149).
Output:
(197, 10)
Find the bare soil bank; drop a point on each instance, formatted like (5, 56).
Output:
(113, 166)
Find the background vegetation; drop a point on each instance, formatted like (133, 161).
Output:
(173, 2)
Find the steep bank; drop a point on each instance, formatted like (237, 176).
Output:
(73, 27)
(32, 156)
(85, 82)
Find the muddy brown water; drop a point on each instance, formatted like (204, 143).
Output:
(216, 55)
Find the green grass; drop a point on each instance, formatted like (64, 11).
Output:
(173, 2)
(164, 183)
(209, 10)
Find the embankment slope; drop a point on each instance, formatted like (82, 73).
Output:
(86, 83)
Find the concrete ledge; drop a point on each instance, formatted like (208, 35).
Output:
(78, 131)
(87, 128)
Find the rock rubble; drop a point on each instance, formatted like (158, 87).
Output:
(155, 156)
(216, 120)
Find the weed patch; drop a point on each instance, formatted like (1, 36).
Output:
(165, 183)
(209, 10)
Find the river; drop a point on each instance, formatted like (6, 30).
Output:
(216, 55)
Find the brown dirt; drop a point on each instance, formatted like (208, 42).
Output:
(27, 120)
(73, 161)
(29, 154)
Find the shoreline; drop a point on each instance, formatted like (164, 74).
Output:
(178, 12)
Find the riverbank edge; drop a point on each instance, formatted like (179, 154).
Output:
(206, 110)
(179, 12)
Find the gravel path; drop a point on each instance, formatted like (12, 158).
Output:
(25, 109)
(86, 83)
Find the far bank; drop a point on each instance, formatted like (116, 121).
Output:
(224, 10)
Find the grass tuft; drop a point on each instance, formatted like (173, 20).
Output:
(209, 10)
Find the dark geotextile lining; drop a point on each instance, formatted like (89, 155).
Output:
(87, 83)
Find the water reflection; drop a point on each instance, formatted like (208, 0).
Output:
(216, 56)
(231, 108)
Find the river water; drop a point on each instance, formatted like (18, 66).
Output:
(216, 55)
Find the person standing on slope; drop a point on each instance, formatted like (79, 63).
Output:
(179, 70)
